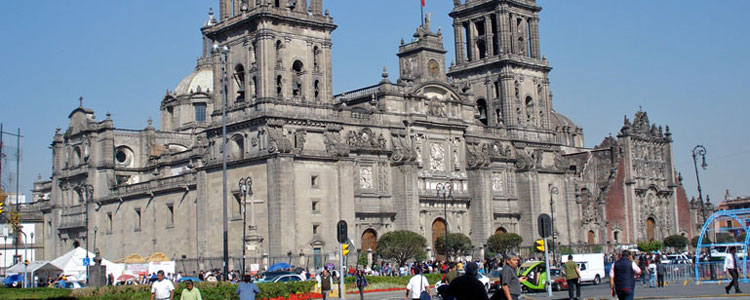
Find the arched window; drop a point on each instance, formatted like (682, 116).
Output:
(530, 119)
(591, 237)
(316, 58)
(239, 79)
(617, 237)
(482, 48)
(277, 3)
(650, 229)
(237, 147)
(279, 81)
(76, 156)
(501, 230)
(439, 228)
(369, 240)
(316, 86)
(254, 87)
(298, 69)
(482, 110)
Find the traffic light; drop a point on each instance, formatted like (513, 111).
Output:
(3, 196)
(345, 249)
(26, 262)
(1, 207)
(539, 245)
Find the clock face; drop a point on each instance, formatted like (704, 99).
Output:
(433, 67)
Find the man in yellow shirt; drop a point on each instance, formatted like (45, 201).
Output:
(191, 292)
(573, 276)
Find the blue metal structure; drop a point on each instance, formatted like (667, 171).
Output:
(714, 225)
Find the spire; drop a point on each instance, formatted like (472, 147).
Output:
(80, 102)
(211, 20)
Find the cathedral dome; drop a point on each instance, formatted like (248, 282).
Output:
(201, 80)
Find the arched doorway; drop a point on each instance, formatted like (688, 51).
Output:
(591, 237)
(501, 230)
(650, 229)
(438, 230)
(369, 240)
(76, 244)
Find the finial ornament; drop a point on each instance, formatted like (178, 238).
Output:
(150, 121)
(80, 101)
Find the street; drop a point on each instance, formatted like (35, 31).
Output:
(674, 291)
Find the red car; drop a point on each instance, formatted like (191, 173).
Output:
(559, 283)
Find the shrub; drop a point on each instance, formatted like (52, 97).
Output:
(503, 243)
(647, 246)
(401, 246)
(458, 245)
(676, 241)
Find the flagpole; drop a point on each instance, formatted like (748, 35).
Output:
(421, 8)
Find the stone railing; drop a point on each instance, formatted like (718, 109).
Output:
(359, 93)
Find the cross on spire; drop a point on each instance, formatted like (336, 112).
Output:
(80, 101)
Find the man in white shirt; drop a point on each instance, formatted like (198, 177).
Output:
(730, 266)
(417, 284)
(162, 289)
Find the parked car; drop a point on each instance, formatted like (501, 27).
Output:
(559, 282)
(676, 259)
(288, 277)
(13, 281)
(591, 266)
(536, 275)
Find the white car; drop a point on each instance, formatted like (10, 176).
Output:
(676, 259)
(483, 279)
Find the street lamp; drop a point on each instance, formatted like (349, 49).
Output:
(224, 50)
(699, 150)
(446, 190)
(96, 228)
(88, 192)
(553, 190)
(246, 187)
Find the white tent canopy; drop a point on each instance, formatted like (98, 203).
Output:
(71, 263)
(34, 267)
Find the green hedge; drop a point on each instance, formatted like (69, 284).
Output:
(35, 293)
(209, 291)
(396, 280)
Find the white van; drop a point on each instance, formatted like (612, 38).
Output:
(591, 266)
(723, 250)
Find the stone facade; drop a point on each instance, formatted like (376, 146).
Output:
(372, 156)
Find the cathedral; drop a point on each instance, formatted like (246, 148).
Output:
(481, 128)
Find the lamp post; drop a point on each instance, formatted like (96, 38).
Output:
(5, 254)
(96, 228)
(246, 187)
(446, 190)
(25, 255)
(699, 150)
(553, 190)
(224, 50)
(88, 192)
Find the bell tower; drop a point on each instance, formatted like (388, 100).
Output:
(279, 51)
(498, 58)
(423, 59)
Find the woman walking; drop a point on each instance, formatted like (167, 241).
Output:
(361, 282)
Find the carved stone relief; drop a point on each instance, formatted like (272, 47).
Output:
(497, 182)
(366, 178)
(437, 157)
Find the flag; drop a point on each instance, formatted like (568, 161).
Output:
(422, 3)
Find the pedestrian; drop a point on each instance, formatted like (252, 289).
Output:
(511, 283)
(661, 270)
(452, 273)
(247, 289)
(325, 283)
(573, 276)
(643, 265)
(622, 277)
(418, 287)
(467, 286)
(361, 282)
(652, 274)
(730, 266)
(162, 289)
(190, 292)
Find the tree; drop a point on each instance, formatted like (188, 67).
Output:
(502, 243)
(401, 246)
(740, 238)
(676, 241)
(647, 246)
(458, 245)
(362, 260)
(694, 241)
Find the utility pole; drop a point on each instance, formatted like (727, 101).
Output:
(18, 171)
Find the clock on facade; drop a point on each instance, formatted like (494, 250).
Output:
(433, 67)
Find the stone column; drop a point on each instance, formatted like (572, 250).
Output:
(406, 197)
(281, 204)
(488, 37)
(316, 7)
(509, 33)
(301, 6)
(458, 31)
(481, 210)
(224, 10)
(473, 53)
(535, 51)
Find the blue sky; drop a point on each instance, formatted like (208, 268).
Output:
(684, 61)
